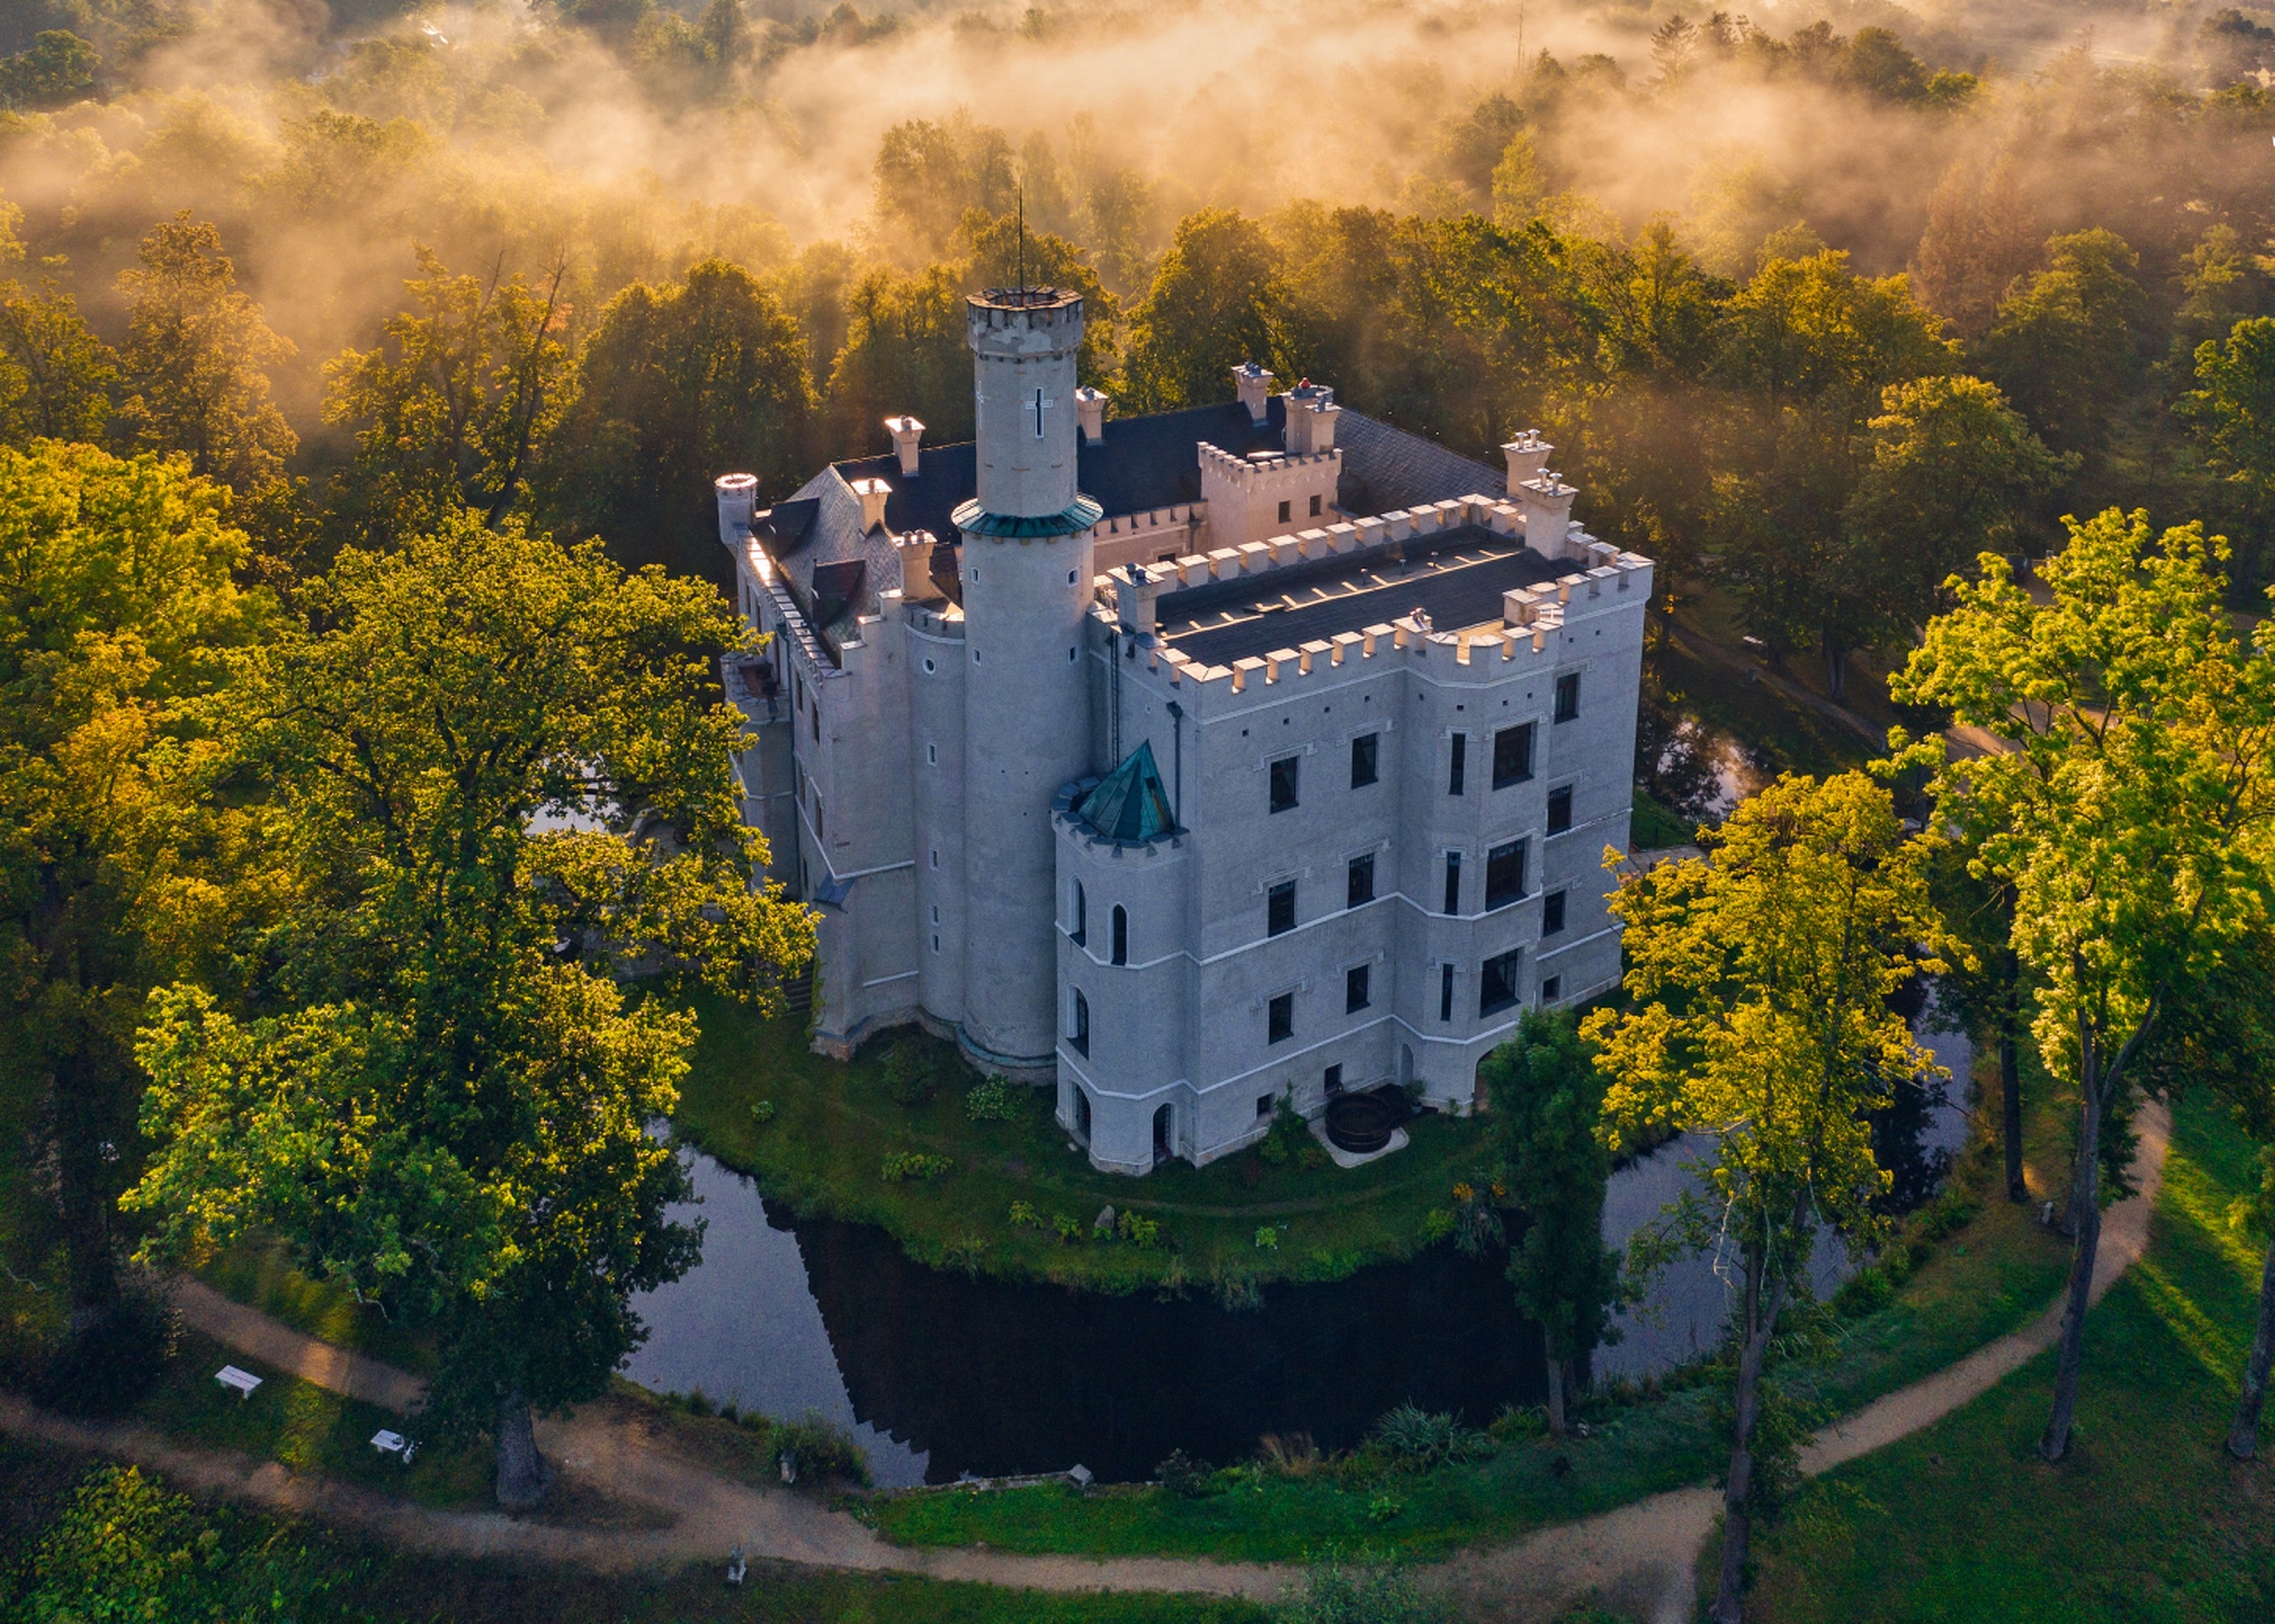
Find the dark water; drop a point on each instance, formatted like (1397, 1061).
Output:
(940, 1376)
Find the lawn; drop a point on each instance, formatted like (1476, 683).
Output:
(816, 1134)
(1994, 1273)
(2147, 1521)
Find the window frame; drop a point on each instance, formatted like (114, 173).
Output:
(1520, 739)
(1078, 1040)
(1568, 698)
(1360, 868)
(1358, 988)
(1279, 1019)
(1499, 975)
(1453, 896)
(1294, 766)
(1457, 762)
(1120, 941)
(1559, 810)
(1498, 895)
(1272, 897)
(1552, 913)
(1369, 747)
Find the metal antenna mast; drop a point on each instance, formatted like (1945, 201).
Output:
(1023, 233)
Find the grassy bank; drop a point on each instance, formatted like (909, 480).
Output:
(2147, 1520)
(1990, 1273)
(818, 1135)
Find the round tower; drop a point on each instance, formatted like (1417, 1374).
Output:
(1026, 570)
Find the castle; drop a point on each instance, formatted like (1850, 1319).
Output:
(1189, 761)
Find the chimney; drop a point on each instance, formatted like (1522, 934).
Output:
(1089, 414)
(905, 432)
(737, 502)
(872, 493)
(1547, 503)
(914, 551)
(1528, 454)
(1255, 386)
(1311, 411)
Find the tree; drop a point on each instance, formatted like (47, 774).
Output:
(996, 254)
(116, 606)
(1214, 303)
(492, 780)
(927, 174)
(2062, 343)
(1548, 1108)
(677, 385)
(54, 374)
(195, 351)
(1981, 233)
(1760, 975)
(907, 352)
(2138, 774)
(726, 31)
(58, 68)
(448, 411)
(2233, 406)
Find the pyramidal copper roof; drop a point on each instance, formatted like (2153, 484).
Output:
(1130, 806)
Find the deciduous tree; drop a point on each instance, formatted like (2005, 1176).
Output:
(493, 779)
(1760, 975)
(2125, 808)
(1214, 303)
(54, 374)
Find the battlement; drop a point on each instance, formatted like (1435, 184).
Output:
(1276, 468)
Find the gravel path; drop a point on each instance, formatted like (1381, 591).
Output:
(1639, 1559)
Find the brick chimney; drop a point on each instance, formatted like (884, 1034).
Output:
(906, 432)
(872, 493)
(1254, 385)
(1089, 414)
(1311, 411)
(1528, 454)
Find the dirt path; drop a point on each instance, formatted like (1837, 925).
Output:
(1638, 1558)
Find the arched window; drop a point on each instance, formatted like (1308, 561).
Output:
(1081, 916)
(1081, 1024)
(1121, 934)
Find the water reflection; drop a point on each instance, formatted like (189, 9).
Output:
(940, 1376)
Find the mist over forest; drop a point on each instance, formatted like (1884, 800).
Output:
(1468, 218)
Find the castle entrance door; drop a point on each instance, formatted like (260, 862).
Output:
(1162, 1124)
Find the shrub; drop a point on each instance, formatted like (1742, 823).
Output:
(1068, 1226)
(1267, 1239)
(1182, 1476)
(1382, 1508)
(1338, 1592)
(995, 1101)
(1289, 1139)
(763, 1112)
(910, 1073)
(967, 1252)
(903, 1165)
(1024, 1217)
(1513, 1424)
(115, 1358)
(1139, 1232)
(1437, 1224)
(1419, 1440)
(819, 1451)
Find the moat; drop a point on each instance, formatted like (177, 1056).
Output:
(939, 1375)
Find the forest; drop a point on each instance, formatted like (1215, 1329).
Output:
(364, 368)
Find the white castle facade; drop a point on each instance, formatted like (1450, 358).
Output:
(1188, 761)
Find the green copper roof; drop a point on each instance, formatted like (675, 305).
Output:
(974, 520)
(1130, 806)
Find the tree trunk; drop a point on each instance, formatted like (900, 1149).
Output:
(521, 1471)
(2010, 1080)
(1737, 1522)
(2085, 1214)
(1556, 1386)
(2243, 1437)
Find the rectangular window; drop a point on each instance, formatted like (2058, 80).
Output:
(1333, 1080)
(1280, 908)
(1560, 809)
(1360, 889)
(1552, 913)
(1453, 882)
(1264, 1105)
(1568, 697)
(1315, 507)
(1283, 512)
(816, 714)
(1504, 874)
(1550, 988)
(1512, 756)
(1283, 782)
(1445, 991)
(1357, 992)
(1280, 1018)
(1081, 1038)
(1366, 751)
(1460, 757)
(1497, 983)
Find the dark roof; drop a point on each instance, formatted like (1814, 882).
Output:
(1458, 583)
(1131, 807)
(1394, 468)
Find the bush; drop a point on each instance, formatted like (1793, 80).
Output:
(1437, 1224)
(1338, 1592)
(1024, 1217)
(819, 1451)
(995, 1101)
(1288, 1139)
(1267, 1239)
(903, 1165)
(763, 1112)
(1513, 1424)
(1143, 1233)
(1384, 1507)
(115, 1358)
(1418, 1441)
(910, 1074)
(1182, 1476)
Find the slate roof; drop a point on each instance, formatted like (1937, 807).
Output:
(1143, 463)
(1130, 806)
(1459, 582)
